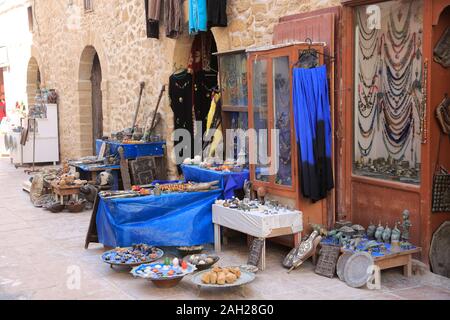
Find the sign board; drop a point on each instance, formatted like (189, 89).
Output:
(255, 251)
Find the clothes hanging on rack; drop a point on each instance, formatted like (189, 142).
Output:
(152, 24)
(214, 122)
(180, 93)
(217, 13)
(173, 17)
(154, 10)
(197, 16)
(313, 131)
(204, 87)
(201, 53)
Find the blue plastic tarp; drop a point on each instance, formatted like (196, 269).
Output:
(176, 219)
(229, 181)
(133, 151)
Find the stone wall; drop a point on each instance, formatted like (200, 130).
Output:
(65, 38)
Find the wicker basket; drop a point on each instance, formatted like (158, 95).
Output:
(76, 207)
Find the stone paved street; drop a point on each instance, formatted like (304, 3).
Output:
(38, 249)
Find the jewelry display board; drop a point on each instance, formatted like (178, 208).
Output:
(389, 79)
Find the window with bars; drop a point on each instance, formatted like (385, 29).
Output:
(88, 5)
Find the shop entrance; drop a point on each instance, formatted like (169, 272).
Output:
(97, 112)
(191, 87)
(90, 100)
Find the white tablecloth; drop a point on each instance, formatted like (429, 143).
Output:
(255, 223)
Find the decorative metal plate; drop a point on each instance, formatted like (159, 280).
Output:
(439, 251)
(159, 255)
(246, 277)
(341, 264)
(355, 270)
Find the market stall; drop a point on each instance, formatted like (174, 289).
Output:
(175, 219)
(229, 181)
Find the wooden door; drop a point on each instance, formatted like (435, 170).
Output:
(97, 112)
(320, 26)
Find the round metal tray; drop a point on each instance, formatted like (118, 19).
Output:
(341, 264)
(246, 278)
(355, 270)
(159, 255)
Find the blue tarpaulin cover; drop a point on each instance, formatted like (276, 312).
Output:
(175, 219)
(134, 150)
(229, 181)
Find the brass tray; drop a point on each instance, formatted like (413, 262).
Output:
(246, 278)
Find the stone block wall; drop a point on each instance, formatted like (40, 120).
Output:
(65, 37)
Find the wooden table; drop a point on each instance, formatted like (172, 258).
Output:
(60, 193)
(397, 259)
(256, 224)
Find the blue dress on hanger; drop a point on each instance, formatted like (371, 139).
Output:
(198, 19)
(312, 119)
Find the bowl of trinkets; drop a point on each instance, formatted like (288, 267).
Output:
(202, 261)
(132, 256)
(164, 275)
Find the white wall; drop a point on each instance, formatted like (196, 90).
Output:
(15, 35)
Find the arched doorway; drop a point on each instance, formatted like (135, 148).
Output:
(90, 100)
(33, 80)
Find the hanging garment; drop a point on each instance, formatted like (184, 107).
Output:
(201, 57)
(197, 16)
(204, 86)
(180, 93)
(154, 10)
(214, 122)
(217, 13)
(173, 15)
(313, 131)
(152, 25)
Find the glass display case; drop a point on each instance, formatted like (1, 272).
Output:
(271, 116)
(388, 99)
(260, 117)
(233, 80)
(282, 113)
(234, 88)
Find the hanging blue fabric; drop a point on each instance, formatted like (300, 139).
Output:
(198, 20)
(313, 131)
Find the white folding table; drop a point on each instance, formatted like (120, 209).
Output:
(256, 224)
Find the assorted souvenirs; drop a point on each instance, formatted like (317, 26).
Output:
(389, 113)
(163, 271)
(215, 164)
(377, 240)
(138, 254)
(202, 261)
(268, 208)
(68, 181)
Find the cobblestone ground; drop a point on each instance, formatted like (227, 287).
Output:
(39, 250)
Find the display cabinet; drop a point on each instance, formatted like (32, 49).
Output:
(273, 146)
(234, 89)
